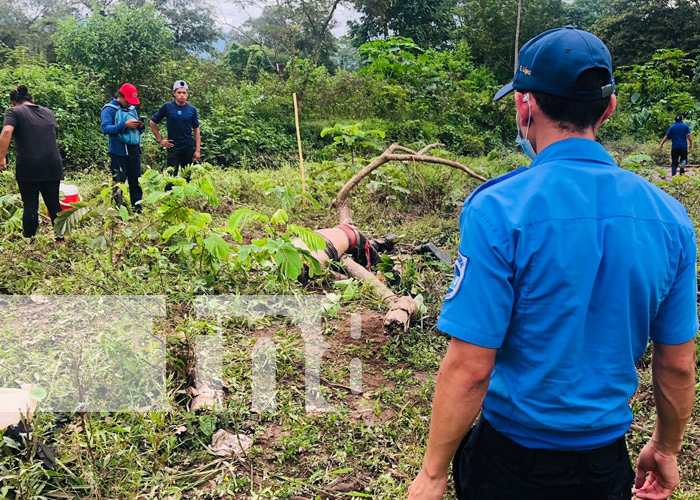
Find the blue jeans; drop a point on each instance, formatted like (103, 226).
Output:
(128, 168)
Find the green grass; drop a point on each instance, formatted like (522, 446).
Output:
(371, 446)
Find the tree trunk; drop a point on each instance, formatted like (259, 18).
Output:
(317, 51)
(517, 35)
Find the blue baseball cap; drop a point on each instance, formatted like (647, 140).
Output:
(551, 62)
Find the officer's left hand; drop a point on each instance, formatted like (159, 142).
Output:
(196, 156)
(657, 473)
(426, 488)
(3, 164)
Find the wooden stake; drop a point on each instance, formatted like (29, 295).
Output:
(301, 154)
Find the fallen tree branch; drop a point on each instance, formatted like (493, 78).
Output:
(342, 201)
(401, 309)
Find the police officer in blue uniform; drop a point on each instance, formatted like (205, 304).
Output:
(566, 269)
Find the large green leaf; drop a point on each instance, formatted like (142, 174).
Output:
(243, 216)
(279, 217)
(172, 230)
(217, 246)
(288, 261)
(68, 220)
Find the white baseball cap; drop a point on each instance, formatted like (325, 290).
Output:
(180, 84)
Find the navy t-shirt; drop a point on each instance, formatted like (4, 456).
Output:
(180, 120)
(677, 133)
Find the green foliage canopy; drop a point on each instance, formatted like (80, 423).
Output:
(488, 26)
(637, 29)
(430, 23)
(124, 45)
(70, 93)
(191, 23)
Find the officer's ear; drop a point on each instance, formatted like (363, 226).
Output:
(523, 103)
(610, 109)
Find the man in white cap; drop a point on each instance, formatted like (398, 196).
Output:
(182, 121)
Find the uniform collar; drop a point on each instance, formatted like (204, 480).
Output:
(574, 148)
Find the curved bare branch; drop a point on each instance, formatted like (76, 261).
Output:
(429, 147)
(342, 201)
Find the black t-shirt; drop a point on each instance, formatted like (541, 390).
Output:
(38, 158)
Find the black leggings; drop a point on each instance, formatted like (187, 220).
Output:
(30, 197)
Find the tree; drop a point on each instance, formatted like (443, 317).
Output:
(125, 45)
(191, 22)
(30, 23)
(430, 23)
(72, 94)
(665, 25)
(236, 58)
(489, 26)
(585, 13)
(294, 30)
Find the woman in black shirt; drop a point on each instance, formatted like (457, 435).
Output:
(39, 166)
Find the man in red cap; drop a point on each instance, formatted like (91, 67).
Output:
(120, 122)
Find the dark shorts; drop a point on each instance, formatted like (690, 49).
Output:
(489, 466)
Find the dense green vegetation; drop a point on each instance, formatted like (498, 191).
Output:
(415, 72)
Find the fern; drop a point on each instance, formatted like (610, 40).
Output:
(311, 239)
(243, 216)
(68, 220)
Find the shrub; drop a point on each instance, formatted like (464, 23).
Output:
(73, 97)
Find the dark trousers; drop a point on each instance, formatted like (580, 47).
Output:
(30, 198)
(489, 466)
(128, 168)
(180, 158)
(676, 155)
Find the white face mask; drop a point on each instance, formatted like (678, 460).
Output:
(524, 142)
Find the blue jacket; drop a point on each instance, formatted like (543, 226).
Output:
(111, 129)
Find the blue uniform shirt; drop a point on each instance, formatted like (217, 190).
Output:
(180, 120)
(568, 268)
(678, 133)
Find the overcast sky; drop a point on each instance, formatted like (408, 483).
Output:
(236, 16)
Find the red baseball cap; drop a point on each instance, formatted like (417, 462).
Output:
(131, 95)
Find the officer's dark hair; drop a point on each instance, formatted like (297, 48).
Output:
(679, 118)
(20, 95)
(578, 115)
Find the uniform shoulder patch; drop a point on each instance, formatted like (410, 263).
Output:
(460, 270)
